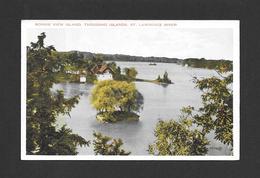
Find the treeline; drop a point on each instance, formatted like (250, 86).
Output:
(208, 64)
(192, 62)
(121, 57)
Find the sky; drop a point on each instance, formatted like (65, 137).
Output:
(209, 43)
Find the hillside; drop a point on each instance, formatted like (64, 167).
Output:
(191, 62)
(122, 57)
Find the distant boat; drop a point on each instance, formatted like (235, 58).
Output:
(152, 64)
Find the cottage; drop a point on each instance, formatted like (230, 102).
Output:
(105, 76)
(103, 72)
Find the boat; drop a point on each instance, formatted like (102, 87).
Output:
(152, 64)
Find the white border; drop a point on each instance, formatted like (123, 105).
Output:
(234, 24)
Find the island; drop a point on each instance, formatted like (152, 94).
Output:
(116, 101)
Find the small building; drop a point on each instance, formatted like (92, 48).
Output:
(82, 79)
(103, 72)
(105, 76)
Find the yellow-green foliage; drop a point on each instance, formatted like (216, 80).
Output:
(179, 137)
(110, 95)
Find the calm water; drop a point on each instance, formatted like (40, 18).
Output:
(159, 103)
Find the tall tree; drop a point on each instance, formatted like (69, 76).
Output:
(43, 106)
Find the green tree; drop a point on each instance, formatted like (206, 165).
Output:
(104, 145)
(110, 96)
(178, 137)
(130, 73)
(43, 107)
(217, 111)
(164, 79)
(216, 114)
(116, 71)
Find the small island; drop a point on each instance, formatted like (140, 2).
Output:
(165, 79)
(116, 101)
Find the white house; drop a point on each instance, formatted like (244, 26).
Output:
(105, 76)
(82, 79)
(103, 72)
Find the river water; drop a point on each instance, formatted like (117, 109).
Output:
(159, 103)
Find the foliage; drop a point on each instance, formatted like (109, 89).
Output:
(62, 77)
(117, 75)
(77, 64)
(209, 64)
(111, 96)
(64, 142)
(217, 111)
(91, 78)
(178, 137)
(43, 107)
(104, 145)
(80, 62)
(130, 73)
(216, 114)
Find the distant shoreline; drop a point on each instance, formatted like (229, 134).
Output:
(188, 62)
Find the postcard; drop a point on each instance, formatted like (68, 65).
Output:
(130, 90)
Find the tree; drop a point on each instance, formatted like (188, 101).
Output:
(43, 107)
(165, 78)
(116, 100)
(178, 137)
(110, 96)
(116, 71)
(130, 73)
(104, 145)
(217, 111)
(216, 114)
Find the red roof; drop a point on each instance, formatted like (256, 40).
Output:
(100, 69)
